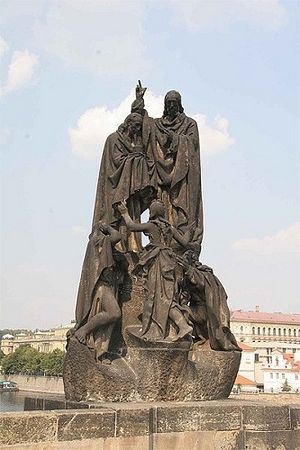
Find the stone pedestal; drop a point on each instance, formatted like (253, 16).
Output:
(231, 424)
(151, 371)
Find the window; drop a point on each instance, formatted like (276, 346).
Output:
(284, 332)
(283, 350)
(274, 331)
(277, 361)
(253, 330)
(277, 376)
(269, 331)
(258, 330)
(283, 376)
(296, 376)
(271, 376)
(294, 332)
(256, 357)
(279, 331)
(290, 332)
(242, 328)
(264, 330)
(298, 333)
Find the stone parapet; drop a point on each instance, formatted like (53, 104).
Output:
(223, 424)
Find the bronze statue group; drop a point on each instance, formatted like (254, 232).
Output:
(151, 164)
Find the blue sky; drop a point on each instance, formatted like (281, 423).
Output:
(68, 70)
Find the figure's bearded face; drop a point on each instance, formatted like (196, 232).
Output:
(135, 129)
(172, 107)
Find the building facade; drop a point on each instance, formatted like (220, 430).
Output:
(43, 340)
(266, 333)
(283, 373)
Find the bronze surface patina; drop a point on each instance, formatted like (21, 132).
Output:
(152, 322)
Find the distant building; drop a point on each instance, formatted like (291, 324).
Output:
(247, 366)
(266, 332)
(7, 344)
(243, 384)
(285, 368)
(42, 340)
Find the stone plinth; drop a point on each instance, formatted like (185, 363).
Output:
(151, 371)
(215, 425)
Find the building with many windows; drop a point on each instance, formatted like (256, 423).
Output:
(266, 333)
(42, 340)
(284, 370)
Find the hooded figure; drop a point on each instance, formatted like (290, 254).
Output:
(178, 166)
(127, 172)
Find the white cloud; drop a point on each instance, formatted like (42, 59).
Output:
(102, 36)
(214, 138)
(271, 15)
(20, 71)
(92, 128)
(3, 46)
(285, 241)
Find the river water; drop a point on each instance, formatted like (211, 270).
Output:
(12, 401)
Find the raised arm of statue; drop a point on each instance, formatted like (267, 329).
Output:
(131, 225)
(138, 104)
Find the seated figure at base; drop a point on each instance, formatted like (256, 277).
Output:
(157, 263)
(205, 295)
(97, 308)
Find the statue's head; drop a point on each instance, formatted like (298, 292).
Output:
(133, 124)
(157, 209)
(173, 105)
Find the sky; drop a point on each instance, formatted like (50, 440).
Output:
(68, 73)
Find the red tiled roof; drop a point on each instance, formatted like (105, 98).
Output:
(289, 357)
(296, 367)
(258, 316)
(246, 347)
(244, 381)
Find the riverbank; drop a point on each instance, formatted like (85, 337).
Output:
(35, 383)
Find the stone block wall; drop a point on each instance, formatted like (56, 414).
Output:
(215, 425)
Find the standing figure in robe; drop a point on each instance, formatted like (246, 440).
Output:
(178, 166)
(174, 142)
(127, 172)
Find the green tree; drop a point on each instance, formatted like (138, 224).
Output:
(52, 363)
(286, 387)
(15, 362)
(2, 355)
(28, 360)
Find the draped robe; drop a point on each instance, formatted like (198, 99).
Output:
(179, 172)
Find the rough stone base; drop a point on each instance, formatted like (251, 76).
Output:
(214, 425)
(160, 371)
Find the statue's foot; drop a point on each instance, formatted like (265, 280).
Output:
(183, 332)
(80, 336)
